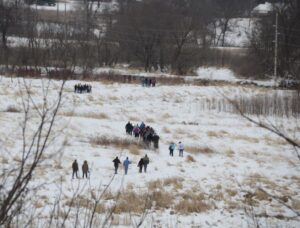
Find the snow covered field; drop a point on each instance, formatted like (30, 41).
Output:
(226, 157)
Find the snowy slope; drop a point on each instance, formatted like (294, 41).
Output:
(230, 155)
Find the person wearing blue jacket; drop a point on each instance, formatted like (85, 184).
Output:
(126, 165)
(172, 148)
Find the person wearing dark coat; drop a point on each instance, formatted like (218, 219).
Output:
(140, 165)
(85, 169)
(75, 169)
(129, 128)
(146, 162)
(155, 140)
(116, 162)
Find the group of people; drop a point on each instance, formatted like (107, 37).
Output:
(148, 82)
(143, 163)
(75, 168)
(173, 146)
(147, 133)
(82, 88)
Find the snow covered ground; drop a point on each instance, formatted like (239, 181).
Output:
(225, 155)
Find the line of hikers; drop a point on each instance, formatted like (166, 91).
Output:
(75, 168)
(82, 88)
(148, 82)
(147, 133)
(143, 163)
(173, 146)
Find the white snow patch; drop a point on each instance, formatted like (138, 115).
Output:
(212, 73)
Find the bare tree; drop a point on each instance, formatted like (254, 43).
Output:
(16, 179)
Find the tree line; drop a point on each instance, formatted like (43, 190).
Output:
(173, 35)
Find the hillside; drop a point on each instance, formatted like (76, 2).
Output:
(226, 160)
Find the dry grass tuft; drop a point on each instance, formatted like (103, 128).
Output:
(246, 138)
(193, 203)
(217, 134)
(180, 131)
(99, 116)
(121, 143)
(82, 202)
(162, 199)
(190, 158)
(166, 130)
(166, 116)
(131, 202)
(175, 182)
(134, 149)
(155, 185)
(12, 109)
(150, 120)
(230, 153)
(296, 205)
(199, 150)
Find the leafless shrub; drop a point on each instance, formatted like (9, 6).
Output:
(277, 104)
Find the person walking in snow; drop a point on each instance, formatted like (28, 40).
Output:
(172, 148)
(180, 148)
(126, 164)
(146, 162)
(136, 131)
(116, 162)
(128, 128)
(75, 169)
(85, 169)
(140, 165)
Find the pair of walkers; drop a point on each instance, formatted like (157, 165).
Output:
(142, 163)
(126, 164)
(173, 146)
(75, 168)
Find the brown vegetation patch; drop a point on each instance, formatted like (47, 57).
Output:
(131, 201)
(230, 153)
(175, 182)
(190, 158)
(12, 109)
(82, 202)
(246, 138)
(154, 185)
(134, 149)
(199, 150)
(166, 130)
(193, 203)
(121, 143)
(217, 134)
(86, 115)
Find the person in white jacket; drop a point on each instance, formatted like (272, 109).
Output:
(180, 148)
